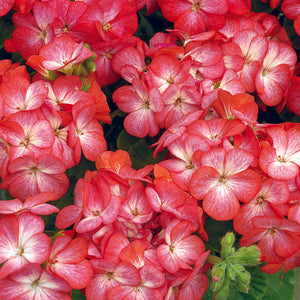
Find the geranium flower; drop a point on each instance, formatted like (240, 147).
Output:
(22, 242)
(223, 180)
(141, 103)
(32, 282)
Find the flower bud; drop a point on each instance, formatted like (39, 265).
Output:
(226, 245)
(218, 276)
(90, 65)
(242, 287)
(230, 273)
(247, 256)
(242, 275)
(223, 292)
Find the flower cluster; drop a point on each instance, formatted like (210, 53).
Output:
(199, 87)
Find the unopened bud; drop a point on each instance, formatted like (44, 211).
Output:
(230, 274)
(90, 65)
(226, 245)
(247, 256)
(223, 292)
(242, 287)
(241, 274)
(218, 276)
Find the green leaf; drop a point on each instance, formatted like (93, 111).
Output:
(7, 195)
(77, 295)
(139, 149)
(142, 155)
(280, 286)
(125, 140)
(79, 170)
(6, 29)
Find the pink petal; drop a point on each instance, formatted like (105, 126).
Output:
(74, 252)
(245, 185)
(203, 181)
(77, 275)
(220, 203)
(37, 248)
(67, 216)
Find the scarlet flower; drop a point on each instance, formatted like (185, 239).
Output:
(291, 8)
(111, 19)
(130, 61)
(273, 76)
(254, 48)
(229, 82)
(193, 16)
(32, 32)
(28, 135)
(240, 106)
(19, 94)
(151, 277)
(105, 51)
(136, 207)
(98, 206)
(5, 6)
(60, 148)
(185, 161)
(207, 60)
(178, 101)
(65, 90)
(215, 130)
(165, 69)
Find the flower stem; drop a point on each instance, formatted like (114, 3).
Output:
(212, 259)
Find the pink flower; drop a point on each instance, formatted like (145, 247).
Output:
(32, 282)
(85, 132)
(193, 16)
(31, 176)
(223, 181)
(22, 242)
(62, 54)
(35, 205)
(181, 249)
(282, 160)
(141, 103)
(277, 238)
(67, 261)
(108, 274)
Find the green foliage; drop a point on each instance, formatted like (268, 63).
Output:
(280, 286)
(77, 295)
(139, 150)
(6, 29)
(262, 286)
